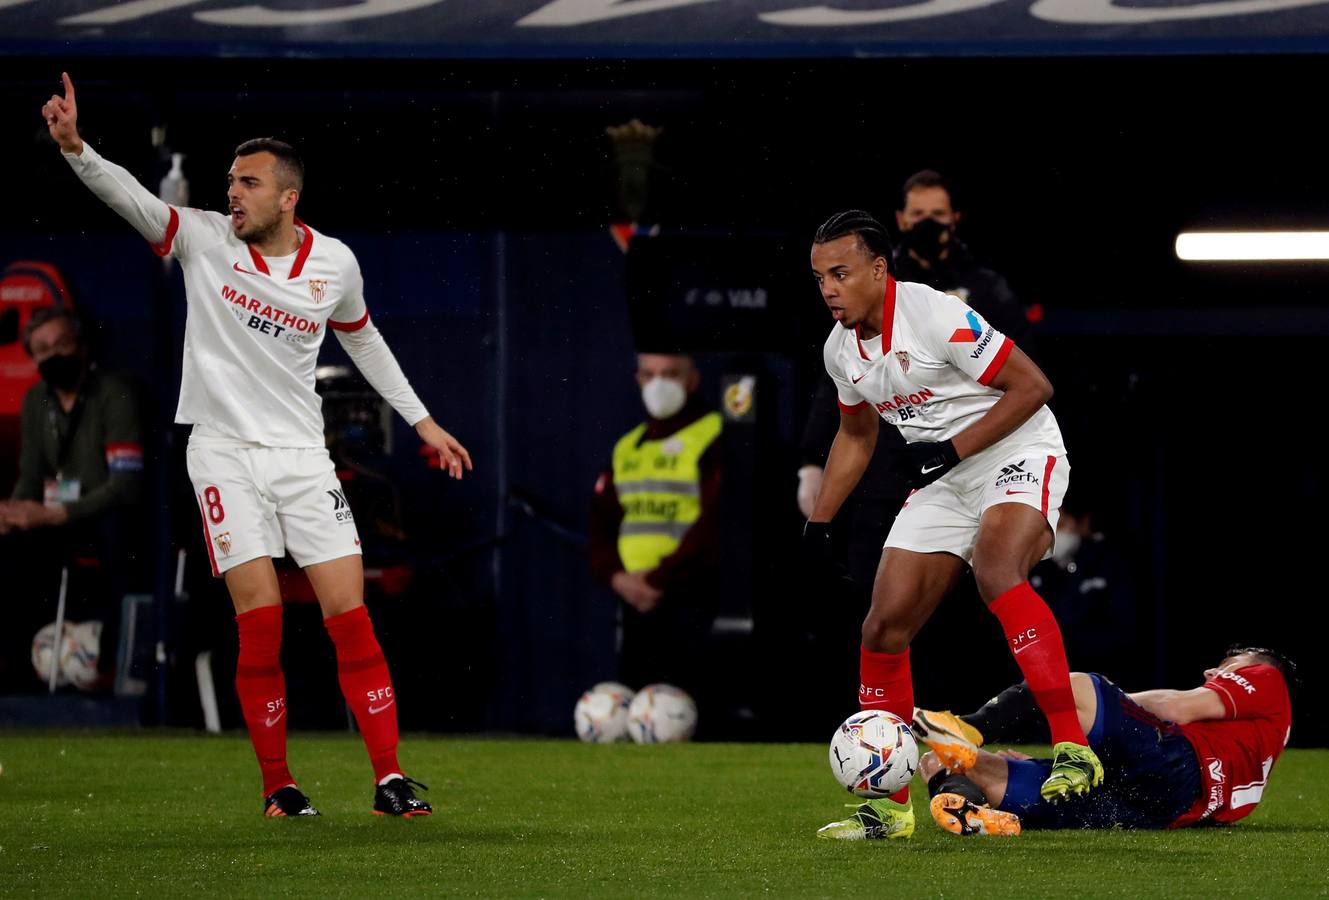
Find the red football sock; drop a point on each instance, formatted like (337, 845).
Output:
(885, 682)
(1036, 642)
(262, 689)
(367, 686)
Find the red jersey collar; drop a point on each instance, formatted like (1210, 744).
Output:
(308, 244)
(887, 320)
(301, 254)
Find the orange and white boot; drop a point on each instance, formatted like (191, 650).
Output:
(955, 741)
(960, 816)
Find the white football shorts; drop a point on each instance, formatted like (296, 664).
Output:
(944, 516)
(267, 501)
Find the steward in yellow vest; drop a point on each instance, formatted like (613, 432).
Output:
(658, 481)
(654, 534)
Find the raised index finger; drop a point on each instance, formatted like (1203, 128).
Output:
(69, 87)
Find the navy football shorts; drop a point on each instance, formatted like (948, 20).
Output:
(1151, 776)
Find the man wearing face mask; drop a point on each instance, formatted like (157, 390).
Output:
(931, 253)
(654, 534)
(80, 469)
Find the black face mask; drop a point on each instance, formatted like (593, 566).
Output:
(62, 371)
(928, 239)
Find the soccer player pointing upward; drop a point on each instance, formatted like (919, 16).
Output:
(988, 467)
(262, 288)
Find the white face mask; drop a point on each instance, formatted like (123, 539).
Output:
(1064, 546)
(663, 397)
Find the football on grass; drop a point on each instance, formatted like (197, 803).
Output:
(661, 713)
(873, 754)
(601, 715)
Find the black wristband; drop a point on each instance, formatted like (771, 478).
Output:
(926, 461)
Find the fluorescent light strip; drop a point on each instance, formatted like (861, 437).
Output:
(1225, 246)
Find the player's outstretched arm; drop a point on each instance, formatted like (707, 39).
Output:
(455, 457)
(1182, 707)
(372, 356)
(850, 454)
(113, 184)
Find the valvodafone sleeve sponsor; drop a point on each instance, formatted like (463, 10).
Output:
(965, 339)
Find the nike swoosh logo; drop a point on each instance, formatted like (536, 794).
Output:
(1009, 492)
(931, 469)
(375, 710)
(1024, 648)
(243, 271)
(859, 378)
(275, 719)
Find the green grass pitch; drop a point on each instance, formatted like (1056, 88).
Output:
(152, 814)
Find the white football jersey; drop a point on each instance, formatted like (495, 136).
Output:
(928, 372)
(254, 325)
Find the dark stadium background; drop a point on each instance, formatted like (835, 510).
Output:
(477, 194)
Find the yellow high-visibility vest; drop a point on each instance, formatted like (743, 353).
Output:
(659, 487)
